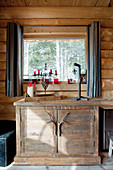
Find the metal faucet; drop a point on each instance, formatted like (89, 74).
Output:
(79, 83)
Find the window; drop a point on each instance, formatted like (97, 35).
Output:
(59, 54)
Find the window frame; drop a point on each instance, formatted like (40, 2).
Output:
(33, 34)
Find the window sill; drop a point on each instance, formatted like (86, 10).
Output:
(60, 82)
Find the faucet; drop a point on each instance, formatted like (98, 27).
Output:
(79, 83)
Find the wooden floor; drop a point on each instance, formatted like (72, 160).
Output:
(107, 164)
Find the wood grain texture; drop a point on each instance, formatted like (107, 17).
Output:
(57, 161)
(3, 65)
(106, 53)
(107, 63)
(3, 23)
(54, 30)
(107, 94)
(58, 35)
(2, 47)
(2, 75)
(107, 74)
(56, 12)
(106, 45)
(38, 139)
(15, 3)
(41, 21)
(106, 34)
(3, 3)
(54, 3)
(76, 134)
(107, 84)
(3, 32)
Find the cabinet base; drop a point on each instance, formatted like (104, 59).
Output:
(96, 160)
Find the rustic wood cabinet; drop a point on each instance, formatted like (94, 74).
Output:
(57, 133)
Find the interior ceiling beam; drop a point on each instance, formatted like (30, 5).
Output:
(56, 12)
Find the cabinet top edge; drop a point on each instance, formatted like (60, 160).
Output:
(65, 102)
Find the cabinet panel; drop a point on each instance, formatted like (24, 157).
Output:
(76, 134)
(39, 132)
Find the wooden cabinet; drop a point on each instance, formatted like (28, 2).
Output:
(76, 134)
(57, 135)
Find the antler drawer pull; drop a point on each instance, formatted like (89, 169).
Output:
(62, 122)
(53, 121)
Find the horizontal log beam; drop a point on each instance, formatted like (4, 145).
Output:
(3, 33)
(106, 45)
(56, 12)
(107, 84)
(107, 63)
(106, 34)
(69, 21)
(2, 56)
(107, 53)
(54, 30)
(107, 74)
(2, 47)
(54, 36)
(107, 94)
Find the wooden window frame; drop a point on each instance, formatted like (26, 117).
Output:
(60, 31)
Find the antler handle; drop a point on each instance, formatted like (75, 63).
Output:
(62, 122)
(53, 121)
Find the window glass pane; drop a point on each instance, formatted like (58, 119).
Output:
(59, 55)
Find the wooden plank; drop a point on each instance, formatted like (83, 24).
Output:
(2, 47)
(106, 45)
(107, 84)
(2, 86)
(15, 3)
(111, 3)
(2, 90)
(54, 36)
(3, 23)
(2, 65)
(107, 63)
(18, 129)
(108, 74)
(106, 23)
(107, 53)
(3, 3)
(90, 3)
(2, 56)
(9, 100)
(3, 33)
(2, 94)
(56, 12)
(67, 3)
(106, 34)
(55, 30)
(2, 75)
(57, 21)
(57, 161)
(54, 3)
(107, 93)
(102, 3)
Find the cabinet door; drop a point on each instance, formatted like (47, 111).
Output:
(76, 132)
(38, 131)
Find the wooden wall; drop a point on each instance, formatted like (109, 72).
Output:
(34, 16)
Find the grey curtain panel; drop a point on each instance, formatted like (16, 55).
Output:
(14, 60)
(93, 60)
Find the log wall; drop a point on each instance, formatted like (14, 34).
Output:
(32, 16)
